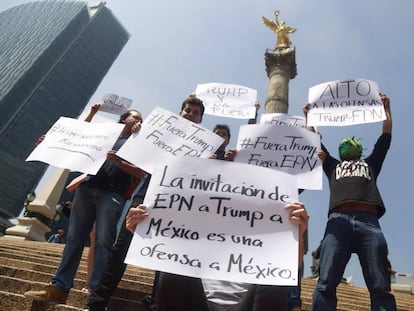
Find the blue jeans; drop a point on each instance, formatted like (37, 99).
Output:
(294, 292)
(115, 267)
(353, 232)
(89, 205)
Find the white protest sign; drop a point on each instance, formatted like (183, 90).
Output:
(77, 145)
(228, 100)
(218, 220)
(290, 149)
(282, 119)
(115, 104)
(166, 135)
(345, 102)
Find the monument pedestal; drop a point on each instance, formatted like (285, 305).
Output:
(31, 228)
(28, 228)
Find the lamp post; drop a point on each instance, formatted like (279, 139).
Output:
(30, 197)
(40, 210)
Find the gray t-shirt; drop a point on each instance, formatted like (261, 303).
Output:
(224, 293)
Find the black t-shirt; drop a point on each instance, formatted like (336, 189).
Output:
(356, 181)
(110, 177)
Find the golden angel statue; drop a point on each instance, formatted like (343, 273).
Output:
(281, 29)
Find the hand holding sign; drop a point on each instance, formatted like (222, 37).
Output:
(244, 218)
(76, 145)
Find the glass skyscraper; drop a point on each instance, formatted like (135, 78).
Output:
(53, 55)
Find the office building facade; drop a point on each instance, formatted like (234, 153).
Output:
(53, 56)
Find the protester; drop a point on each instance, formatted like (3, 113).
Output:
(182, 293)
(225, 288)
(192, 109)
(221, 153)
(223, 131)
(98, 198)
(92, 236)
(175, 292)
(58, 237)
(294, 292)
(355, 206)
(71, 187)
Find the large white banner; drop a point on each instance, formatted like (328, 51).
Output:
(219, 220)
(345, 102)
(77, 145)
(287, 148)
(165, 135)
(228, 100)
(282, 119)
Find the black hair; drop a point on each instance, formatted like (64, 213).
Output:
(192, 100)
(222, 127)
(125, 115)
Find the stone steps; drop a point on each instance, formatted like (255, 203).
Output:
(26, 265)
(354, 297)
(29, 265)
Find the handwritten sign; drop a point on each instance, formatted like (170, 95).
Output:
(167, 135)
(282, 119)
(115, 104)
(77, 145)
(345, 102)
(290, 149)
(226, 222)
(227, 100)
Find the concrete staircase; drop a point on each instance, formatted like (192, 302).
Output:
(354, 297)
(26, 265)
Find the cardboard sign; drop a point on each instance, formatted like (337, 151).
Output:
(165, 135)
(115, 104)
(218, 220)
(345, 102)
(282, 119)
(228, 100)
(290, 149)
(77, 145)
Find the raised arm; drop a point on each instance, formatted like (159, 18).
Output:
(92, 112)
(305, 109)
(257, 106)
(387, 124)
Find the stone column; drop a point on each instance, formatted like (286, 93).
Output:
(280, 68)
(31, 228)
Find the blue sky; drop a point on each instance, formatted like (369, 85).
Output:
(175, 45)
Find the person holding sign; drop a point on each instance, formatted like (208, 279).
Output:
(217, 289)
(223, 131)
(101, 198)
(354, 209)
(176, 292)
(192, 109)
